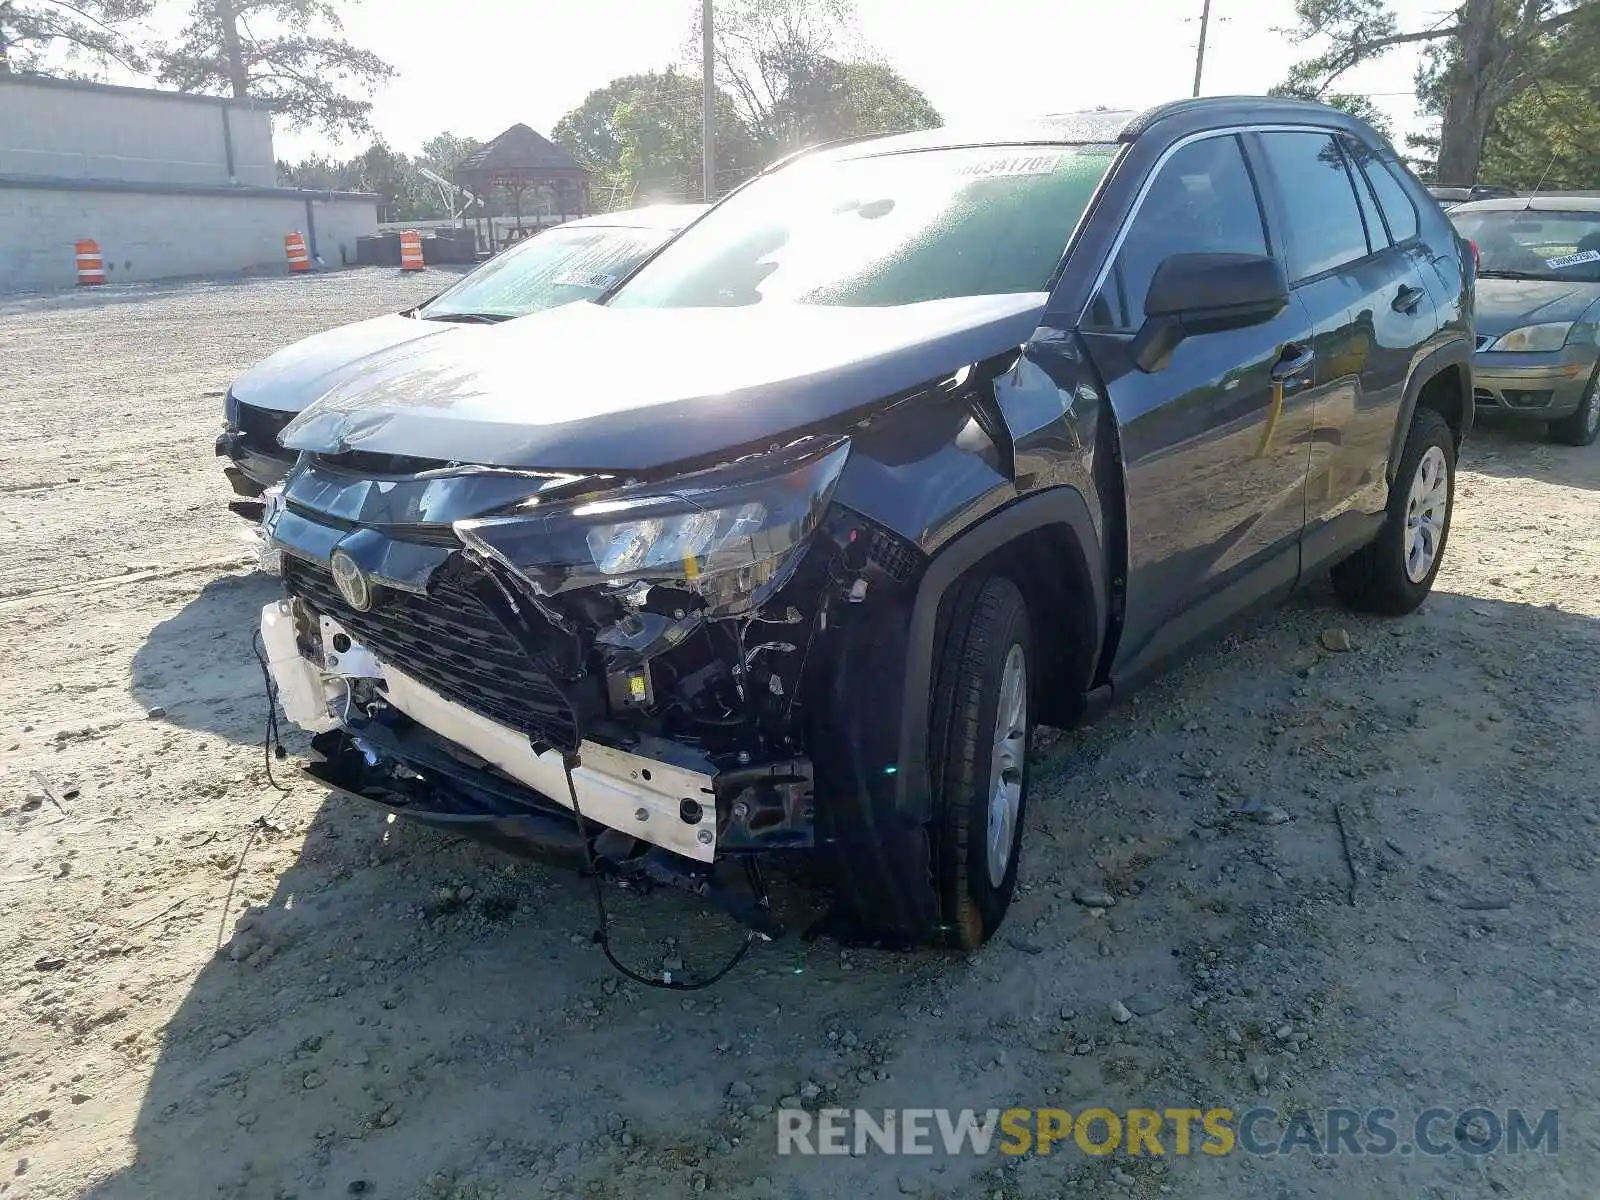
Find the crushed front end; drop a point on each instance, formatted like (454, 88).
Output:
(256, 462)
(621, 675)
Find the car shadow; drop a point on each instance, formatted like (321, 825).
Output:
(407, 1003)
(1509, 449)
(197, 670)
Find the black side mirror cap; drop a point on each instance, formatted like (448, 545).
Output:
(1206, 293)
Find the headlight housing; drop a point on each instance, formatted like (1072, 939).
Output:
(1529, 339)
(731, 534)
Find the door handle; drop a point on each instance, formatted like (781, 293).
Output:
(1406, 300)
(1294, 359)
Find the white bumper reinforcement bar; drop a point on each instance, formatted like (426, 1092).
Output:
(639, 796)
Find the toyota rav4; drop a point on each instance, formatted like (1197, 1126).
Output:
(909, 444)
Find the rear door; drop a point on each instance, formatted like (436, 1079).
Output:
(1213, 444)
(1371, 313)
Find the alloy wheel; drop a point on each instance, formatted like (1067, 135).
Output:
(1010, 748)
(1427, 508)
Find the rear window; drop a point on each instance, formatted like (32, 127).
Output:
(880, 231)
(1398, 209)
(1520, 243)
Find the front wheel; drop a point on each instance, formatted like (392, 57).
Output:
(979, 754)
(1583, 426)
(1394, 573)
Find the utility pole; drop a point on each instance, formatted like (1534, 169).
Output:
(708, 101)
(1200, 51)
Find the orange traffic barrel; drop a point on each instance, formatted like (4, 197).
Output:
(91, 267)
(411, 251)
(294, 247)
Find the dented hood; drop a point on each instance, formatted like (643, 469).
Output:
(296, 375)
(586, 387)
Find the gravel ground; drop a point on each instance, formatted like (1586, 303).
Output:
(1355, 877)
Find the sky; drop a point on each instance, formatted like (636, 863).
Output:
(477, 66)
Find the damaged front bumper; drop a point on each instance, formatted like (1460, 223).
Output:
(653, 714)
(387, 737)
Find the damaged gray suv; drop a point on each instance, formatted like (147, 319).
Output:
(911, 443)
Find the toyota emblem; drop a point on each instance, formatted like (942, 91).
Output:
(352, 581)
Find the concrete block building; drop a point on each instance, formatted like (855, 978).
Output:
(168, 184)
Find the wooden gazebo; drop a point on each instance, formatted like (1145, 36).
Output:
(518, 159)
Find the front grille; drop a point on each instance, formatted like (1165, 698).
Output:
(451, 642)
(1484, 396)
(261, 427)
(1485, 342)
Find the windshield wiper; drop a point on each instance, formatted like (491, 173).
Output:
(1485, 274)
(467, 318)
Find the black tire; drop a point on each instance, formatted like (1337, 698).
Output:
(1375, 579)
(986, 619)
(1583, 426)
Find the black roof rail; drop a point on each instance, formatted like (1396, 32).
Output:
(1142, 123)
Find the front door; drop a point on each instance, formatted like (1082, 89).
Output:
(1214, 444)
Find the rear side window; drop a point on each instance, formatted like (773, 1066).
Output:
(1203, 201)
(1320, 211)
(1398, 209)
(1377, 235)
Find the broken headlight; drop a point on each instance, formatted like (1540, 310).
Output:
(731, 534)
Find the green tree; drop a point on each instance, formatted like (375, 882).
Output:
(321, 172)
(444, 152)
(798, 73)
(1549, 134)
(285, 52)
(640, 136)
(1479, 57)
(58, 37)
(1548, 137)
(1355, 105)
(843, 99)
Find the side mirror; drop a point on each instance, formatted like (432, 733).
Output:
(1206, 293)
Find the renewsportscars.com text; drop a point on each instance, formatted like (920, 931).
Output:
(1433, 1132)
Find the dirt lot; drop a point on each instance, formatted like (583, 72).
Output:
(211, 988)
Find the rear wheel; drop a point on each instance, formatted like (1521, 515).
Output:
(1394, 572)
(1583, 426)
(982, 720)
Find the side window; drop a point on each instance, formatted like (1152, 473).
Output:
(1392, 195)
(1202, 201)
(1320, 210)
(1377, 234)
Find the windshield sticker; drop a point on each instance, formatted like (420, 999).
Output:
(1011, 164)
(584, 279)
(1573, 260)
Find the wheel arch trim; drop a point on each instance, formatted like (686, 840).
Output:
(1059, 506)
(1454, 353)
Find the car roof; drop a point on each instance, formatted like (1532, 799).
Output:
(1096, 126)
(649, 216)
(1543, 202)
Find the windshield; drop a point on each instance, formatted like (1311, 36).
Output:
(888, 230)
(555, 267)
(1534, 243)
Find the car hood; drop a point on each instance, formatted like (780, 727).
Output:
(1505, 304)
(592, 388)
(296, 375)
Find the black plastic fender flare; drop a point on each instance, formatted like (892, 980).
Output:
(874, 772)
(1455, 353)
(1063, 506)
